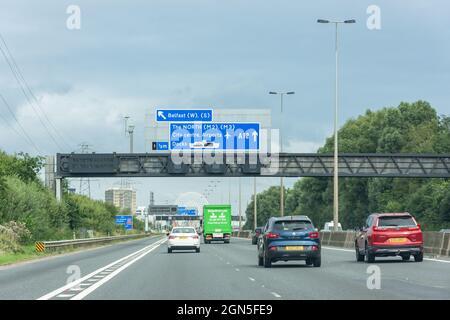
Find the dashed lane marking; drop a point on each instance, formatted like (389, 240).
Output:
(275, 294)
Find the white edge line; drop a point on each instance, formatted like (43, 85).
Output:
(74, 283)
(349, 250)
(96, 285)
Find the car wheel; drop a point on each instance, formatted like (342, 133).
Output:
(227, 241)
(169, 250)
(317, 262)
(309, 262)
(370, 257)
(253, 241)
(418, 257)
(260, 261)
(197, 250)
(406, 257)
(267, 262)
(359, 256)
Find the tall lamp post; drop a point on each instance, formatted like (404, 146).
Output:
(281, 148)
(130, 132)
(336, 166)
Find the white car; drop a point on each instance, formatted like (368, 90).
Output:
(183, 238)
(204, 144)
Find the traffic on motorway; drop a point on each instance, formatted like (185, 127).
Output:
(294, 238)
(225, 150)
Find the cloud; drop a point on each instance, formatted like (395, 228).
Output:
(81, 115)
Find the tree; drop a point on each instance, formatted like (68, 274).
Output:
(409, 128)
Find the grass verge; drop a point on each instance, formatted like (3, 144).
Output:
(31, 254)
(28, 254)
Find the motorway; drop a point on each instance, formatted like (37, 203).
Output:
(142, 269)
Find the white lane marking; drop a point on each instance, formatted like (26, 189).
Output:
(76, 289)
(349, 250)
(96, 285)
(437, 260)
(251, 279)
(236, 269)
(228, 262)
(276, 294)
(77, 282)
(65, 295)
(338, 249)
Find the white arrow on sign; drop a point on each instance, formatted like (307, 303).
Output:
(255, 134)
(161, 114)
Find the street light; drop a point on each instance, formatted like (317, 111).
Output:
(336, 166)
(130, 132)
(281, 148)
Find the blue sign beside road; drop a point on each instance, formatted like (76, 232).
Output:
(215, 135)
(160, 145)
(183, 211)
(126, 221)
(204, 115)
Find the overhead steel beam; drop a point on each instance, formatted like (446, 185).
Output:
(245, 164)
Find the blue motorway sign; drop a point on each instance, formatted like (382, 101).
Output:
(183, 211)
(214, 135)
(163, 115)
(126, 221)
(160, 145)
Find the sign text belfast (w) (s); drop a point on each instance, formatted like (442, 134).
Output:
(166, 115)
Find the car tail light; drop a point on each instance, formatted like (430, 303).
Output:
(272, 248)
(314, 235)
(416, 228)
(314, 248)
(273, 235)
(172, 237)
(195, 237)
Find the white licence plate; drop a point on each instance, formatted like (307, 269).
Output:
(217, 235)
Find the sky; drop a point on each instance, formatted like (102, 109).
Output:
(130, 56)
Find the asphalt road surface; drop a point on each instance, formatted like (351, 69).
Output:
(142, 269)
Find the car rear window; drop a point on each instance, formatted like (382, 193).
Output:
(184, 230)
(293, 225)
(396, 221)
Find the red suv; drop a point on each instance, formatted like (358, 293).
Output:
(389, 234)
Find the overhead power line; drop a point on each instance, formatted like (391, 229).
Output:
(25, 134)
(18, 76)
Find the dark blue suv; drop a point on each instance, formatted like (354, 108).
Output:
(289, 238)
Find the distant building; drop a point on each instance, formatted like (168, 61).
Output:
(122, 198)
(141, 211)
